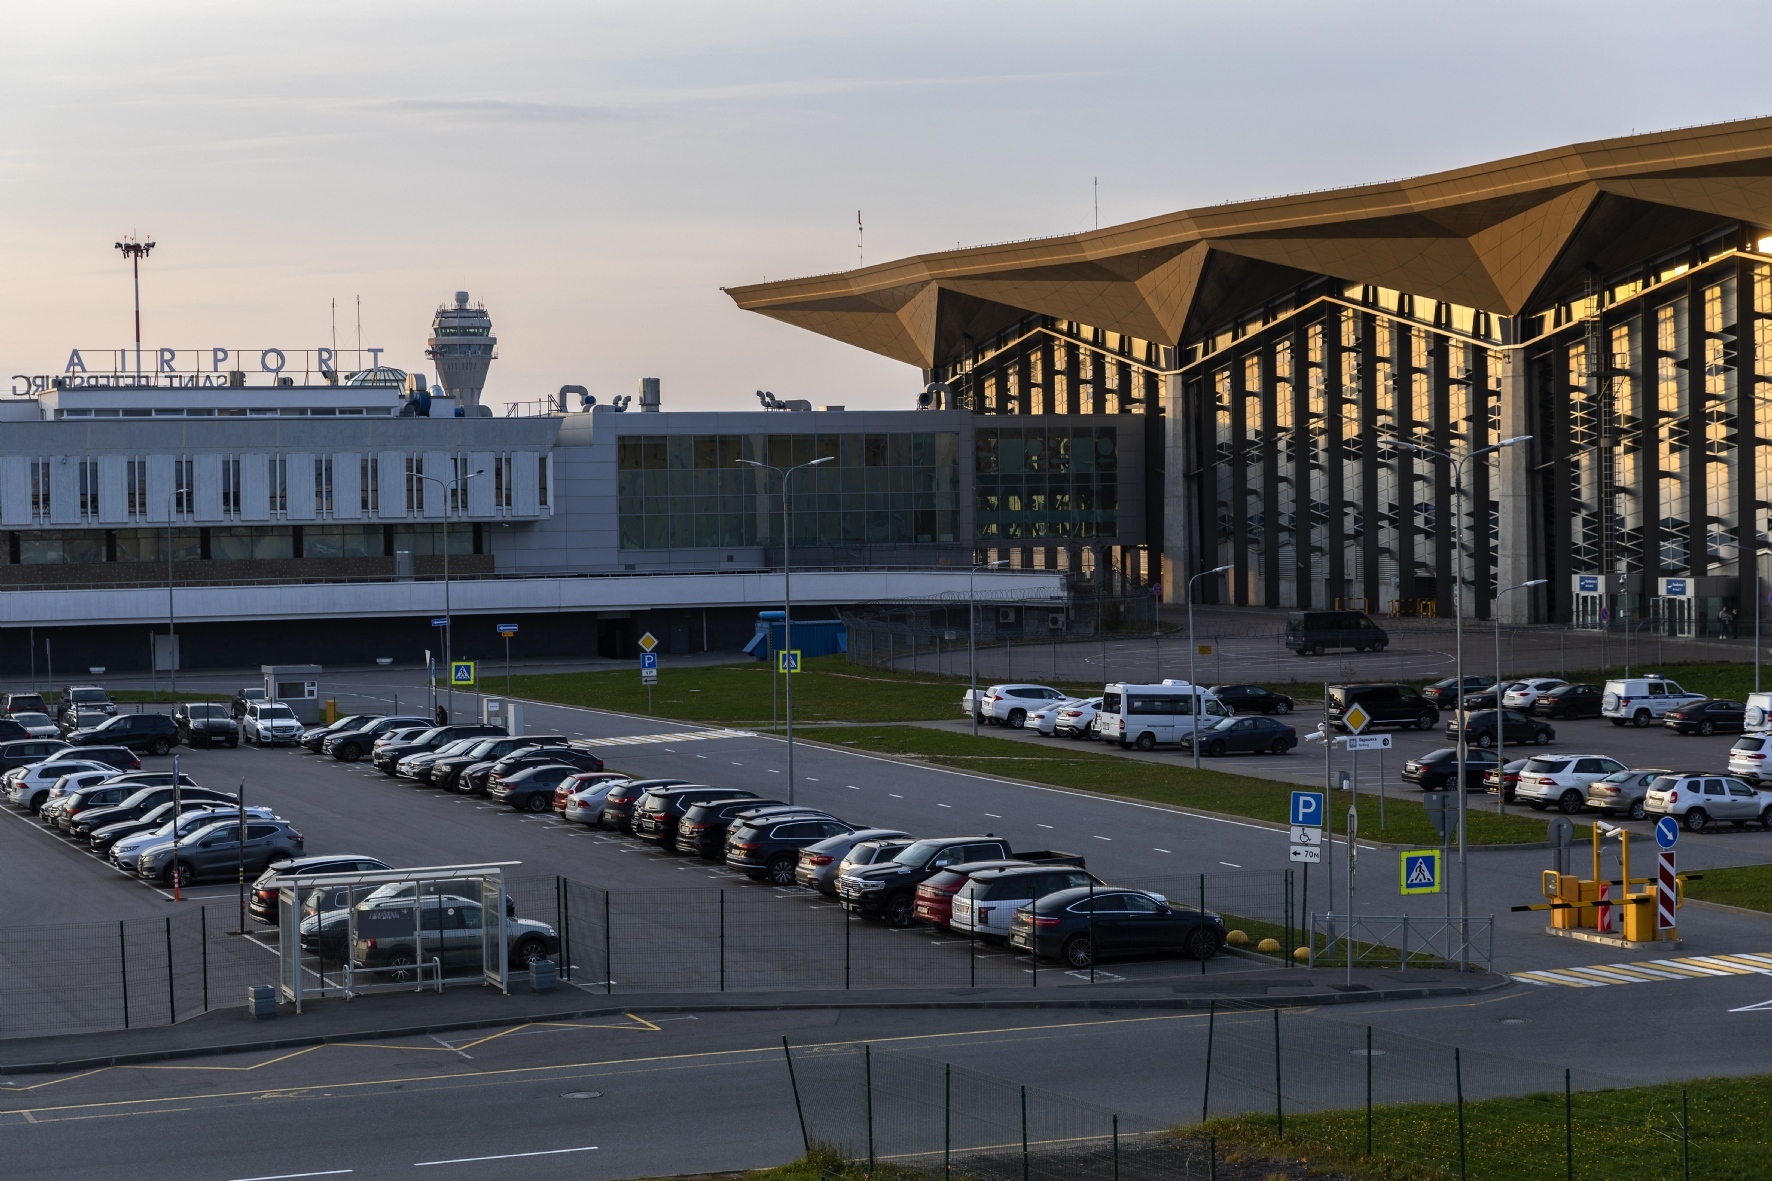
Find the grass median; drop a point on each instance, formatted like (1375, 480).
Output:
(1746, 886)
(1207, 789)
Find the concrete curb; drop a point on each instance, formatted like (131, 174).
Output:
(1748, 910)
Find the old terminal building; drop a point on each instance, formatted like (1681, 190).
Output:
(1610, 301)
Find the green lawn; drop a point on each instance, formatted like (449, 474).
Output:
(1208, 789)
(1742, 885)
(1617, 1135)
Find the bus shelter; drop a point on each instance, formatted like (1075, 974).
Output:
(350, 934)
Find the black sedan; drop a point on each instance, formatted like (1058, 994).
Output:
(530, 789)
(1252, 699)
(1569, 701)
(1444, 694)
(1437, 770)
(1252, 736)
(1707, 717)
(1077, 925)
(1486, 729)
(477, 778)
(1504, 778)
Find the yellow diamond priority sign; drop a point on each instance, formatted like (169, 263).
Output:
(648, 642)
(1356, 719)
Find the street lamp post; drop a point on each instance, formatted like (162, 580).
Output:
(135, 250)
(1192, 650)
(787, 597)
(972, 634)
(1457, 464)
(1500, 714)
(1756, 554)
(448, 627)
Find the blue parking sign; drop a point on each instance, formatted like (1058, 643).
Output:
(648, 660)
(1308, 809)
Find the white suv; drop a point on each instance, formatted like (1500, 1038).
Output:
(1642, 700)
(1699, 799)
(270, 722)
(1010, 705)
(1562, 780)
(1076, 719)
(1521, 694)
(1747, 758)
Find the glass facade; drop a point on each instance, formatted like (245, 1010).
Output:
(1047, 482)
(49, 547)
(693, 491)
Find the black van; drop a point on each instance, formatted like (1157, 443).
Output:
(1311, 633)
(1386, 704)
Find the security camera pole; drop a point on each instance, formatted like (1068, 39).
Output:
(1192, 650)
(451, 486)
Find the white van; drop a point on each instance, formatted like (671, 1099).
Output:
(1144, 715)
(1642, 700)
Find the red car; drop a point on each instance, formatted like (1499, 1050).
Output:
(935, 896)
(578, 783)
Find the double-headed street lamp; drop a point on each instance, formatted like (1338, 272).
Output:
(459, 482)
(1192, 649)
(787, 596)
(972, 632)
(1457, 464)
(1500, 714)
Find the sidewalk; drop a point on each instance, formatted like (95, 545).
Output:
(407, 1014)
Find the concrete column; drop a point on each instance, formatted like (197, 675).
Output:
(1516, 561)
(1181, 545)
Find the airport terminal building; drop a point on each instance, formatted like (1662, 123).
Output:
(1607, 303)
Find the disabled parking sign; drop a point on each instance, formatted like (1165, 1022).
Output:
(1421, 871)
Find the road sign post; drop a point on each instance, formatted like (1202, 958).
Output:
(787, 661)
(648, 666)
(1667, 831)
(506, 631)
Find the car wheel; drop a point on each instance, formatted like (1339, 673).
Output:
(528, 953)
(159, 746)
(1639, 812)
(1280, 746)
(1696, 820)
(1379, 646)
(901, 911)
(1425, 722)
(1316, 649)
(1570, 802)
(1017, 718)
(1281, 707)
(1543, 737)
(1485, 740)
(178, 874)
(1707, 728)
(539, 803)
(1079, 951)
(781, 872)
(1766, 818)
(1217, 749)
(1641, 718)
(1147, 742)
(350, 752)
(398, 967)
(1201, 944)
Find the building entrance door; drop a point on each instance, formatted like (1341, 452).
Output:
(1587, 611)
(1670, 616)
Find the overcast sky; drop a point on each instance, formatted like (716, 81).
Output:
(596, 172)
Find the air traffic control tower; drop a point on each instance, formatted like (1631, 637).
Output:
(461, 345)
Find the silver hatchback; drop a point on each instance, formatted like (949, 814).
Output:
(1622, 792)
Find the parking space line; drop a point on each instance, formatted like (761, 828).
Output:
(464, 1160)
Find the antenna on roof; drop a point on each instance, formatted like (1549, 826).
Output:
(860, 256)
(1096, 181)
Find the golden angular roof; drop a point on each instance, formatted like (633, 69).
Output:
(1502, 237)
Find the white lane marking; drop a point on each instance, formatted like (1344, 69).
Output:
(701, 756)
(1157, 850)
(679, 736)
(810, 779)
(895, 795)
(1100, 838)
(1232, 864)
(852, 787)
(773, 771)
(286, 1176)
(944, 805)
(1043, 825)
(993, 816)
(466, 1160)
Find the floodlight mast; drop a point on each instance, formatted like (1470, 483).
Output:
(135, 250)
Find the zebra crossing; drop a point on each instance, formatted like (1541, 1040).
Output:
(1651, 971)
(675, 736)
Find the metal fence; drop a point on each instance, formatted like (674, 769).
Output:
(1396, 941)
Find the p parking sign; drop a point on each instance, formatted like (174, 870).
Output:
(1421, 871)
(461, 674)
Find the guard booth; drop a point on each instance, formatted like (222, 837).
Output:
(294, 685)
(350, 934)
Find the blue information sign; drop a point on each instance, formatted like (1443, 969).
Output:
(648, 660)
(439, 622)
(1667, 831)
(1307, 809)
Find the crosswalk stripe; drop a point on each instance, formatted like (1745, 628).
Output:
(1757, 957)
(1745, 963)
(1587, 971)
(1701, 962)
(1750, 964)
(1688, 969)
(679, 736)
(1545, 976)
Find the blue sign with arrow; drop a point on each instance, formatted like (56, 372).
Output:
(1667, 831)
(1308, 809)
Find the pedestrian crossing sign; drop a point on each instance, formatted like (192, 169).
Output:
(787, 661)
(461, 674)
(1421, 871)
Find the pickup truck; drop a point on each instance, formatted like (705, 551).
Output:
(889, 890)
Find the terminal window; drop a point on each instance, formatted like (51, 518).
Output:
(1048, 482)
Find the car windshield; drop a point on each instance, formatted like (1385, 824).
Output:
(918, 853)
(1619, 777)
(1445, 752)
(89, 697)
(114, 723)
(459, 746)
(1665, 783)
(482, 747)
(276, 713)
(1747, 744)
(1547, 766)
(424, 735)
(31, 719)
(206, 712)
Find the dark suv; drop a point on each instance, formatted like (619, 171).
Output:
(660, 810)
(143, 801)
(25, 751)
(704, 824)
(1385, 704)
(473, 780)
(263, 899)
(347, 746)
(618, 805)
(530, 789)
(387, 758)
(768, 847)
(1311, 633)
(446, 772)
(154, 733)
(205, 723)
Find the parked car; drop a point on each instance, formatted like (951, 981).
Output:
(1076, 718)
(1252, 699)
(205, 723)
(531, 789)
(1524, 693)
(386, 756)
(1444, 694)
(418, 766)
(657, 813)
(217, 850)
(126, 853)
(473, 779)
(120, 757)
(388, 947)
(314, 736)
(140, 802)
(447, 771)
(1076, 927)
(270, 723)
(1641, 700)
(1009, 705)
(1747, 758)
(1385, 704)
(1437, 770)
(244, 699)
(1696, 800)
(1622, 793)
(153, 733)
(767, 847)
(101, 840)
(1569, 701)
(1311, 633)
(20, 703)
(1504, 779)
(986, 904)
(872, 851)
(35, 725)
(1707, 717)
(1563, 780)
(64, 786)
(28, 788)
(1485, 727)
(262, 900)
(703, 827)
(347, 746)
(887, 890)
(1243, 736)
(934, 897)
(585, 805)
(22, 752)
(1044, 719)
(576, 784)
(11, 729)
(83, 698)
(1146, 715)
(80, 718)
(818, 864)
(618, 805)
(95, 797)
